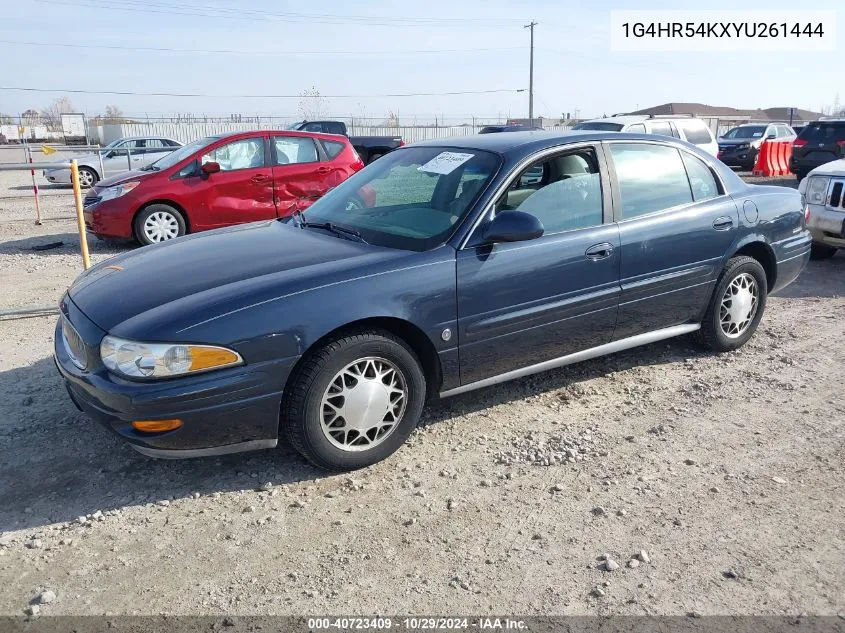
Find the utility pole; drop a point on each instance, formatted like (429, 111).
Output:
(531, 75)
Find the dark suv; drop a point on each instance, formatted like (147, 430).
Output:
(819, 143)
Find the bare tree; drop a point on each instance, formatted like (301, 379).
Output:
(52, 114)
(6, 119)
(311, 104)
(113, 114)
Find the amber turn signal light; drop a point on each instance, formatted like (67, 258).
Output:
(156, 426)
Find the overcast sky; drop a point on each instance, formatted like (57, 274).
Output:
(574, 67)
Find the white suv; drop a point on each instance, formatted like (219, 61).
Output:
(823, 191)
(687, 129)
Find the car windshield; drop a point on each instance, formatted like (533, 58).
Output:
(748, 131)
(412, 199)
(174, 157)
(602, 126)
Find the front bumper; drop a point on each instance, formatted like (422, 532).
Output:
(109, 218)
(231, 410)
(739, 157)
(827, 226)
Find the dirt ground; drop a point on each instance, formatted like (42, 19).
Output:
(728, 472)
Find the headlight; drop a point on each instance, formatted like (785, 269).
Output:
(109, 193)
(743, 146)
(163, 360)
(817, 189)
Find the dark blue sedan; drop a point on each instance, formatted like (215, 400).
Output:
(443, 267)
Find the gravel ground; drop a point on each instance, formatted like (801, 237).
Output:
(663, 480)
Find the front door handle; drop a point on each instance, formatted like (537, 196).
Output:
(723, 223)
(599, 251)
(259, 178)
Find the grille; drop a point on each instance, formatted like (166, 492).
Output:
(836, 197)
(74, 346)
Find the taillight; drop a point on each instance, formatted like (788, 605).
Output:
(799, 142)
(401, 143)
(806, 214)
(358, 164)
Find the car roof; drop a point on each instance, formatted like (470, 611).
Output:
(248, 133)
(516, 143)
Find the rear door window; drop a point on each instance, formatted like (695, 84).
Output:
(701, 179)
(291, 150)
(661, 127)
(696, 132)
(651, 178)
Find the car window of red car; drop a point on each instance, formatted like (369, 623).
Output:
(333, 148)
(246, 153)
(292, 150)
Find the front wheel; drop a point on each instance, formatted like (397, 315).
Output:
(354, 401)
(158, 223)
(736, 306)
(87, 177)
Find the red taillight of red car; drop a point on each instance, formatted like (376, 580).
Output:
(799, 142)
(358, 165)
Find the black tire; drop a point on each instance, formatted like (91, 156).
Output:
(87, 177)
(301, 412)
(800, 175)
(822, 251)
(374, 157)
(711, 333)
(143, 237)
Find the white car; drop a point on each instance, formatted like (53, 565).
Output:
(687, 129)
(122, 155)
(823, 191)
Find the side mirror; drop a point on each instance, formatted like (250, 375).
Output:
(210, 168)
(771, 137)
(513, 226)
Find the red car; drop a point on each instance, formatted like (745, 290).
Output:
(218, 181)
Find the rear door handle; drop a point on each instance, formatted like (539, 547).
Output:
(323, 170)
(599, 251)
(723, 223)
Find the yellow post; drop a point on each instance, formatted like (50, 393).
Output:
(80, 220)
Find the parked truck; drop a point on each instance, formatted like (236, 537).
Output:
(369, 148)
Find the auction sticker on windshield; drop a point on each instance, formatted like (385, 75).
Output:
(445, 163)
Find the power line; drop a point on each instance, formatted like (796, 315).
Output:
(297, 96)
(244, 52)
(212, 11)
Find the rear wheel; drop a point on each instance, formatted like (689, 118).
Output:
(158, 223)
(354, 401)
(822, 251)
(374, 157)
(800, 175)
(736, 306)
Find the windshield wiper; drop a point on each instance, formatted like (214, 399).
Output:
(327, 226)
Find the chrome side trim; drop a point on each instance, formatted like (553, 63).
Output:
(577, 357)
(164, 453)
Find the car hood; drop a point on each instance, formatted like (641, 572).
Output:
(161, 289)
(833, 168)
(125, 176)
(730, 142)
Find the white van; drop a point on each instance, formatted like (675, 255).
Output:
(688, 129)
